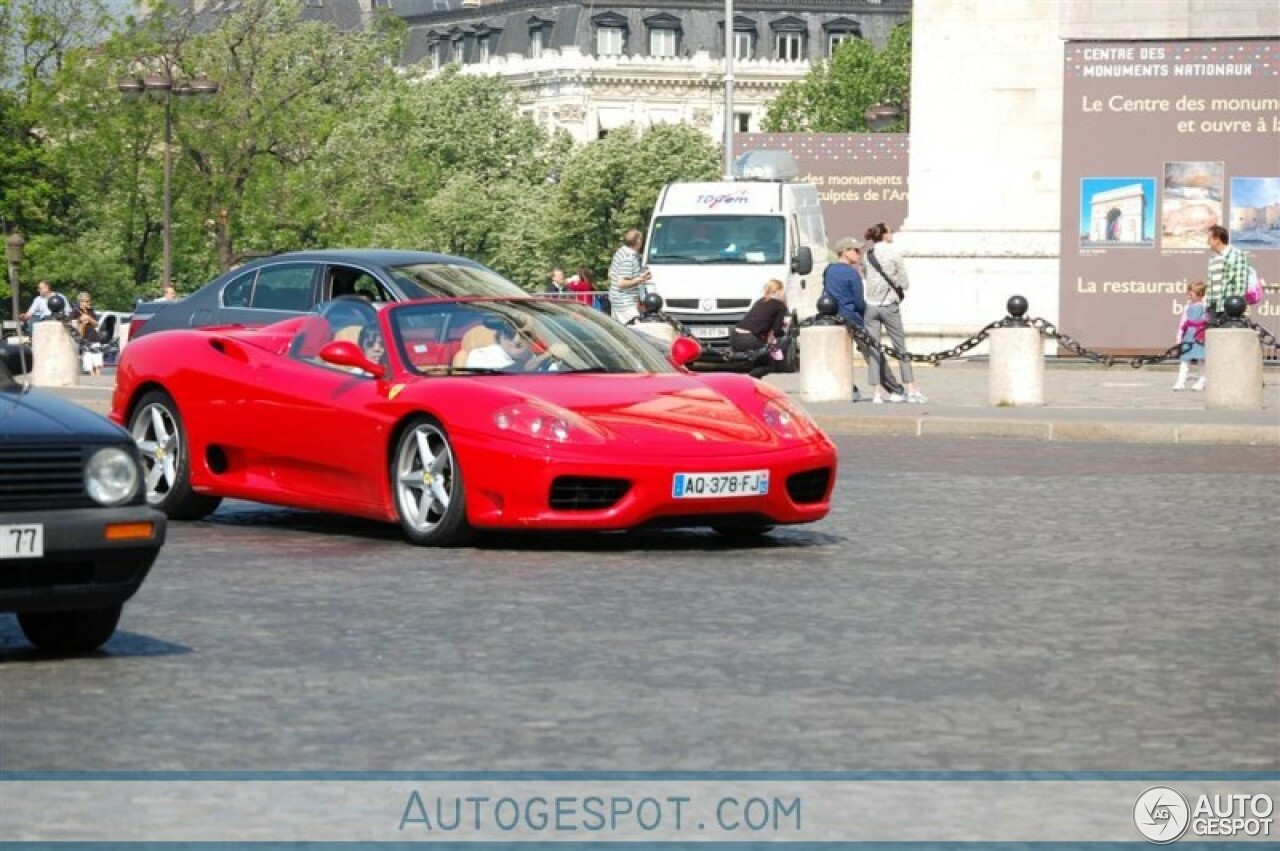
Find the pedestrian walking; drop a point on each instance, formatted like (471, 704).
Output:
(627, 278)
(1228, 272)
(1191, 330)
(886, 287)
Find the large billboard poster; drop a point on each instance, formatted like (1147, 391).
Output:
(861, 177)
(1161, 140)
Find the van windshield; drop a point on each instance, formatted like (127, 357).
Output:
(717, 239)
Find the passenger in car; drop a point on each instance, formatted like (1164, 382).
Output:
(372, 345)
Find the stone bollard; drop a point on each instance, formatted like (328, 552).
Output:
(55, 359)
(1232, 363)
(1016, 375)
(826, 357)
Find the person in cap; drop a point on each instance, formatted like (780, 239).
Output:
(842, 280)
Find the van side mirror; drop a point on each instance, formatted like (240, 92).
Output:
(802, 262)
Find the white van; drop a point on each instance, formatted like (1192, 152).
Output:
(712, 246)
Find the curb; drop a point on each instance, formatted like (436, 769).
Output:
(1101, 431)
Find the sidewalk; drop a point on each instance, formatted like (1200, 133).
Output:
(1083, 402)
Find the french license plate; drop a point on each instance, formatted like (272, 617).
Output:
(22, 541)
(714, 333)
(720, 485)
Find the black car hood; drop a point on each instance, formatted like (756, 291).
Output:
(37, 416)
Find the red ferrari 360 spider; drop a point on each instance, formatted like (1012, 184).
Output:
(451, 415)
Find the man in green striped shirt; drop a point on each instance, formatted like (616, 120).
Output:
(1228, 271)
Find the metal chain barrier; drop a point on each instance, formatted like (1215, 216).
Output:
(1046, 329)
(863, 336)
(1268, 339)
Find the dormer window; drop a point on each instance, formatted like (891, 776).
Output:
(664, 34)
(437, 50)
(611, 34)
(789, 47)
(482, 48)
(744, 37)
(662, 42)
(458, 39)
(610, 40)
(539, 35)
(839, 31)
(789, 39)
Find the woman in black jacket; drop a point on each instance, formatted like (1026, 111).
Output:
(762, 327)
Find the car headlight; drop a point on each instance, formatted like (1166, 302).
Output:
(111, 476)
(545, 422)
(787, 419)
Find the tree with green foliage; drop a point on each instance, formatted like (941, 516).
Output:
(38, 39)
(834, 96)
(441, 163)
(611, 185)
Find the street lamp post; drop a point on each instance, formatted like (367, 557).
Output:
(729, 47)
(13, 254)
(164, 86)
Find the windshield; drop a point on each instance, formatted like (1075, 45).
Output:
(717, 239)
(509, 336)
(448, 280)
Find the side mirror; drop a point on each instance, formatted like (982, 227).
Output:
(802, 262)
(347, 354)
(685, 350)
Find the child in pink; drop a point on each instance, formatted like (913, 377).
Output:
(1191, 330)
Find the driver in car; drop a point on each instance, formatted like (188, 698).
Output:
(510, 351)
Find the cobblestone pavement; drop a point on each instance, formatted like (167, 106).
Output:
(969, 604)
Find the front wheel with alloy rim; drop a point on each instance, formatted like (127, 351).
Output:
(157, 428)
(77, 631)
(427, 487)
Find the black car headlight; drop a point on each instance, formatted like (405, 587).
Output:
(111, 476)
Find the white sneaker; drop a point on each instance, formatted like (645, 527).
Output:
(917, 398)
(1199, 385)
(897, 397)
(878, 400)
(1178, 388)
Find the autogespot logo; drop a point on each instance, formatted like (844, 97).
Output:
(1161, 814)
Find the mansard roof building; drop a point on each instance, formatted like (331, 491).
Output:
(588, 68)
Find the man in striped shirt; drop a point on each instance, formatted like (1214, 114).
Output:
(627, 277)
(1228, 271)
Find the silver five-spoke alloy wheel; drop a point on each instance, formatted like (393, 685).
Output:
(425, 471)
(158, 439)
